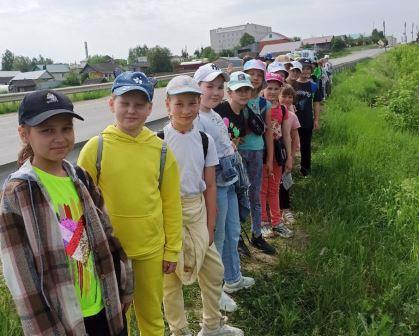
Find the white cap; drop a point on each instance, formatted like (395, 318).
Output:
(209, 72)
(276, 66)
(296, 65)
(182, 84)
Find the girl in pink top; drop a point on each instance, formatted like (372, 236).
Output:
(286, 98)
(270, 183)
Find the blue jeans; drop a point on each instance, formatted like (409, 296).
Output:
(253, 160)
(227, 232)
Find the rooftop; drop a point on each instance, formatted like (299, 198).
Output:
(33, 75)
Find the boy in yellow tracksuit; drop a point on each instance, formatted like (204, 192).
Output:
(144, 207)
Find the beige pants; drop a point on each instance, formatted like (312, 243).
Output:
(209, 270)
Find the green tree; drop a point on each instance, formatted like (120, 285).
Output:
(209, 53)
(337, 44)
(73, 79)
(22, 63)
(159, 59)
(377, 35)
(227, 53)
(246, 39)
(136, 52)
(7, 60)
(95, 59)
(296, 38)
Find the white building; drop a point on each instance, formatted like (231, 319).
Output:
(229, 37)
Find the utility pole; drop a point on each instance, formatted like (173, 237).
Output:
(384, 33)
(405, 36)
(412, 31)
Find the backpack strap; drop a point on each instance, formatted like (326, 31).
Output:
(204, 138)
(99, 157)
(262, 106)
(283, 112)
(163, 156)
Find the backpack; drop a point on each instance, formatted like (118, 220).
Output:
(280, 152)
(256, 121)
(100, 151)
(204, 138)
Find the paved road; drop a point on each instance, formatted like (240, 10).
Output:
(357, 55)
(97, 117)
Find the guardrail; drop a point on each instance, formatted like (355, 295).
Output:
(12, 97)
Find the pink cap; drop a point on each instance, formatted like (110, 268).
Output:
(270, 76)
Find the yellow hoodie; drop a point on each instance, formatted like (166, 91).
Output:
(144, 218)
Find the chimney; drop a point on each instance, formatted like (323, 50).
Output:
(86, 50)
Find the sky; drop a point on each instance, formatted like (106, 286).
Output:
(58, 28)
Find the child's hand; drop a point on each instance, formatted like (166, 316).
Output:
(269, 167)
(169, 267)
(288, 164)
(211, 237)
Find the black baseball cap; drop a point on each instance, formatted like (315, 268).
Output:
(38, 106)
(306, 62)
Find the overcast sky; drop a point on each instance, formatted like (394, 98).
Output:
(58, 28)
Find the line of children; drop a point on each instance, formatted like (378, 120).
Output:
(67, 273)
(148, 206)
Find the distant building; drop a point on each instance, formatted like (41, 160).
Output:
(392, 41)
(251, 50)
(281, 48)
(223, 62)
(141, 64)
(6, 76)
(189, 66)
(32, 80)
(101, 70)
(318, 43)
(229, 37)
(58, 70)
(273, 38)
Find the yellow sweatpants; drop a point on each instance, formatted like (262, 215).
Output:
(148, 294)
(210, 282)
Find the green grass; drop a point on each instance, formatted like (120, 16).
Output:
(353, 267)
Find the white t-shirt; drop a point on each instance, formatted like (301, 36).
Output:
(189, 153)
(212, 123)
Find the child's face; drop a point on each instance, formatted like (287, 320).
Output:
(212, 92)
(241, 96)
(306, 73)
(286, 100)
(271, 92)
(294, 74)
(183, 109)
(131, 111)
(51, 140)
(256, 78)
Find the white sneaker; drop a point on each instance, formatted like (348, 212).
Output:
(182, 332)
(267, 231)
(227, 303)
(222, 330)
(288, 216)
(244, 282)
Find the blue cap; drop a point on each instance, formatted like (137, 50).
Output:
(239, 79)
(130, 81)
